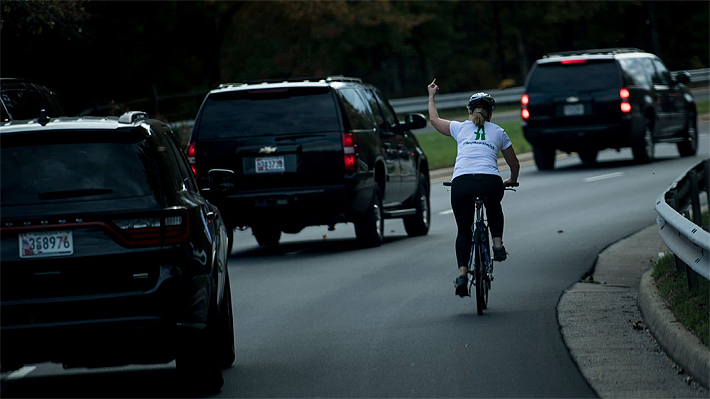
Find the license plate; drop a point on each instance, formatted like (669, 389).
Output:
(46, 243)
(270, 164)
(574, 109)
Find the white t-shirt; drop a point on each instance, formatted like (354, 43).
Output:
(478, 147)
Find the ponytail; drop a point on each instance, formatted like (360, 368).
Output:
(477, 116)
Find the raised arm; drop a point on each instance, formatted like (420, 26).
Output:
(441, 125)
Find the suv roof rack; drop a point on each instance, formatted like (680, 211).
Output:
(132, 116)
(619, 50)
(334, 78)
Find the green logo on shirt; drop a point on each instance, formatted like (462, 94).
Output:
(481, 133)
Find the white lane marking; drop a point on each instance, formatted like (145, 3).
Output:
(446, 212)
(16, 375)
(602, 177)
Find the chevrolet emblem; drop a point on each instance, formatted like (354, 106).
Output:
(267, 150)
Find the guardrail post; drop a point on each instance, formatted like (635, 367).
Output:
(690, 275)
(672, 200)
(706, 178)
(695, 198)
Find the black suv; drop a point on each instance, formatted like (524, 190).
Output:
(22, 99)
(110, 255)
(589, 100)
(278, 156)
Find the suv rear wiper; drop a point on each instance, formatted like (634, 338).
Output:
(73, 193)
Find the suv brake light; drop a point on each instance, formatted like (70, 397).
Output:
(625, 105)
(191, 151)
(577, 61)
(145, 231)
(350, 154)
(524, 112)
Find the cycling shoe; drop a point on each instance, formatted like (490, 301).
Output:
(461, 284)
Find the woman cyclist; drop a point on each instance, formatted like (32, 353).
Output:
(476, 174)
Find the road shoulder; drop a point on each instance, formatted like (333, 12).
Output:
(606, 333)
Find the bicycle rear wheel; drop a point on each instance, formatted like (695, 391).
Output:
(485, 263)
(478, 276)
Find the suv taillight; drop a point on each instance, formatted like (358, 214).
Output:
(624, 96)
(350, 154)
(191, 157)
(145, 231)
(524, 101)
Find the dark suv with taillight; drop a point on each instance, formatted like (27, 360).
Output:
(281, 155)
(589, 100)
(110, 255)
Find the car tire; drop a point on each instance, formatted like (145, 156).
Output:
(689, 146)
(266, 235)
(644, 149)
(418, 224)
(369, 229)
(199, 365)
(227, 348)
(588, 156)
(544, 157)
(230, 240)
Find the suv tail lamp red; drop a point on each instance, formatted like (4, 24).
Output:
(625, 105)
(524, 112)
(146, 231)
(191, 151)
(575, 61)
(350, 154)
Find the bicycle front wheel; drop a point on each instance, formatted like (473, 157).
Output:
(478, 275)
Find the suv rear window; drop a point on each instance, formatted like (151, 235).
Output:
(269, 112)
(74, 171)
(587, 76)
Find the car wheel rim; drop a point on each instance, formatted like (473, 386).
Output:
(378, 220)
(649, 142)
(692, 132)
(425, 210)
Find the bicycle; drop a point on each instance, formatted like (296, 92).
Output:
(482, 272)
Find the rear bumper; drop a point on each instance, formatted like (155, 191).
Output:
(575, 138)
(292, 209)
(105, 329)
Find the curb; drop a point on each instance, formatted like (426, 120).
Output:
(682, 346)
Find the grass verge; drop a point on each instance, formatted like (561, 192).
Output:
(441, 150)
(690, 307)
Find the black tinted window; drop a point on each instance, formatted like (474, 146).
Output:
(269, 112)
(587, 76)
(635, 73)
(387, 111)
(24, 104)
(662, 75)
(357, 111)
(35, 173)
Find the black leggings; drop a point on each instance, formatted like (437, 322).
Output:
(464, 189)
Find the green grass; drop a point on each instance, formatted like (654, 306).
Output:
(703, 107)
(690, 307)
(441, 150)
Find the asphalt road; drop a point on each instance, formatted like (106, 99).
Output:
(319, 317)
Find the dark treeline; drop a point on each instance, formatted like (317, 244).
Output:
(156, 53)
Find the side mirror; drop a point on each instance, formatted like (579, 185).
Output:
(221, 180)
(415, 121)
(683, 77)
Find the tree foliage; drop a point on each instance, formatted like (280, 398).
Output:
(144, 52)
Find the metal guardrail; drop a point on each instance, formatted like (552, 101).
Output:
(686, 238)
(508, 96)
